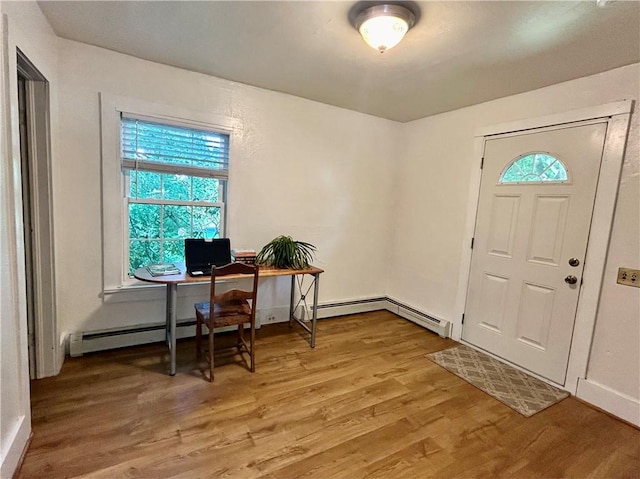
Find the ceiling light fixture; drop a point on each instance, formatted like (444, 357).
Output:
(384, 26)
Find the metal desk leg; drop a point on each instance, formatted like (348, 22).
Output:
(291, 307)
(305, 307)
(172, 313)
(314, 321)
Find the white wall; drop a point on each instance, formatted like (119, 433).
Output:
(432, 205)
(318, 173)
(26, 29)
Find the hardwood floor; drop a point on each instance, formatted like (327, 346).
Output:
(364, 403)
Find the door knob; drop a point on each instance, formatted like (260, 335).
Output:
(574, 262)
(571, 279)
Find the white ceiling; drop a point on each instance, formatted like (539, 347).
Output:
(458, 53)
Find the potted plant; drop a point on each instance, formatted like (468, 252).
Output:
(285, 252)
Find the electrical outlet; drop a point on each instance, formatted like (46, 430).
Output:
(266, 317)
(629, 277)
(273, 315)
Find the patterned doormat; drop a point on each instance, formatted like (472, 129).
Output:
(521, 392)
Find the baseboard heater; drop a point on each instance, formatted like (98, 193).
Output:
(91, 341)
(440, 326)
(341, 308)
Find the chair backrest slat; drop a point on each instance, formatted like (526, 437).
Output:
(233, 295)
(247, 271)
(233, 268)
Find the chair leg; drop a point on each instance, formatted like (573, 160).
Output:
(240, 337)
(252, 341)
(198, 337)
(210, 352)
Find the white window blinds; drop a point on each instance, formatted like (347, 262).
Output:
(151, 146)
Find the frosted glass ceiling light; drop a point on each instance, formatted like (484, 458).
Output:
(384, 26)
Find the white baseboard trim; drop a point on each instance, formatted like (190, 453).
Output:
(17, 440)
(619, 404)
(91, 341)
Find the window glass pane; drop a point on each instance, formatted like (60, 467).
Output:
(541, 163)
(144, 221)
(172, 251)
(143, 252)
(176, 187)
(512, 175)
(133, 183)
(556, 171)
(526, 164)
(206, 189)
(148, 184)
(176, 221)
(206, 222)
(535, 167)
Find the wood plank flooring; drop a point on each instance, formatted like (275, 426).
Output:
(364, 403)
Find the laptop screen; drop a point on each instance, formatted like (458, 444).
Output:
(200, 255)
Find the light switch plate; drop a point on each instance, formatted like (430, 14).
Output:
(629, 277)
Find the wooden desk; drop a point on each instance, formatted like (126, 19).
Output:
(172, 282)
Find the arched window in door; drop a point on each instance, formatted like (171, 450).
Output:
(536, 167)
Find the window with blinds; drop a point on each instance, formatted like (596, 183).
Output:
(175, 183)
(166, 148)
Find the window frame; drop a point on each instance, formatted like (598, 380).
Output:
(539, 182)
(115, 177)
(129, 166)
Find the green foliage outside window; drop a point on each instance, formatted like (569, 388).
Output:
(157, 231)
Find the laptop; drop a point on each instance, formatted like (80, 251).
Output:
(201, 255)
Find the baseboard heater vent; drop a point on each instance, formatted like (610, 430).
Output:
(440, 326)
(137, 329)
(90, 341)
(341, 308)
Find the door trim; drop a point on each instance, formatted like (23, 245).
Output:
(47, 344)
(617, 115)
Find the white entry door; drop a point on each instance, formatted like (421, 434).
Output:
(534, 212)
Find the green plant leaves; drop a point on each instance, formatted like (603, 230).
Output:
(285, 252)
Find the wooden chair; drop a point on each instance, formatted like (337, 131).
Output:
(235, 307)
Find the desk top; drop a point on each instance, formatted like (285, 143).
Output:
(144, 275)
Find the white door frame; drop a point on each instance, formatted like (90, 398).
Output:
(47, 343)
(617, 115)
(49, 351)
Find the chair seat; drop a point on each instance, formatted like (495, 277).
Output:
(225, 310)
